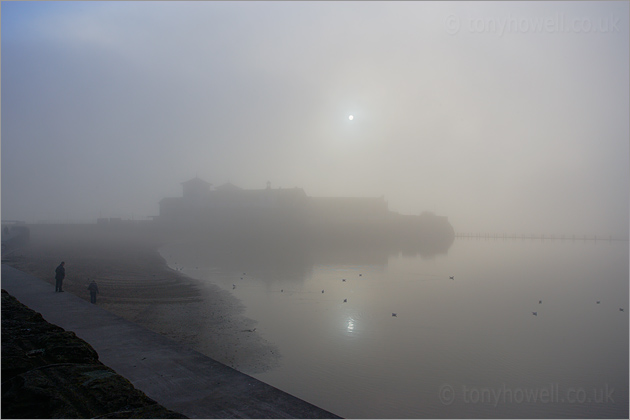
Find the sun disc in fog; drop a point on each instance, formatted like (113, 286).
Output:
(351, 117)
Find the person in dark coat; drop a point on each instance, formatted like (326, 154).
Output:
(60, 274)
(93, 288)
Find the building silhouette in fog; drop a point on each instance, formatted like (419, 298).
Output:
(200, 202)
(287, 218)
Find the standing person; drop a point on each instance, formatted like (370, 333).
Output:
(60, 274)
(93, 288)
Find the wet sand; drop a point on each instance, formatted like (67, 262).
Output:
(136, 284)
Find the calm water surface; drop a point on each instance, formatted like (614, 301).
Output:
(463, 347)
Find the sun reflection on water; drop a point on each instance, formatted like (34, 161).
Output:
(350, 325)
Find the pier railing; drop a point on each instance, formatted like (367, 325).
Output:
(542, 236)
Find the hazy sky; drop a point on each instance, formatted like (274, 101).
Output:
(505, 117)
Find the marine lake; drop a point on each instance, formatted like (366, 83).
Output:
(469, 347)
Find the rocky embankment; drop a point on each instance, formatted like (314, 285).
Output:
(48, 372)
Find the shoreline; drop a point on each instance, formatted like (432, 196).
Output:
(136, 284)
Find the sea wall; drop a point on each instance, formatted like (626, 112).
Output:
(48, 372)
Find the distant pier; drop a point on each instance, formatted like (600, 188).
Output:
(540, 237)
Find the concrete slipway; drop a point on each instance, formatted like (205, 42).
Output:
(175, 376)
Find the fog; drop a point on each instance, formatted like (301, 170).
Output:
(505, 117)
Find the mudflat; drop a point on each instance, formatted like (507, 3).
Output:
(136, 284)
